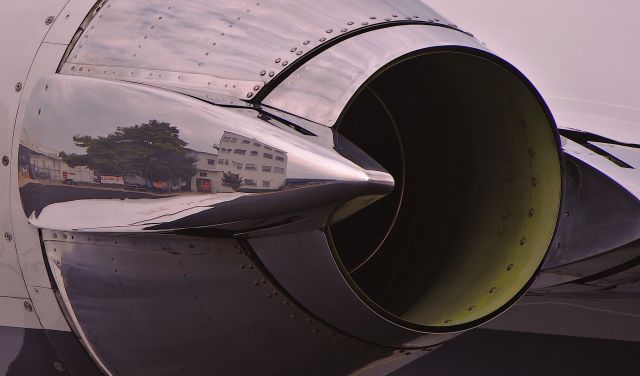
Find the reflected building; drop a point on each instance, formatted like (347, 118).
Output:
(208, 178)
(40, 163)
(261, 167)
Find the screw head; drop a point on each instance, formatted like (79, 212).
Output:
(58, 366)
(5, 161)
(49, 20)
(18, 87)
(28, 306)
(7, 236)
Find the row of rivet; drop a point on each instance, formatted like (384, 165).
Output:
(298, 52)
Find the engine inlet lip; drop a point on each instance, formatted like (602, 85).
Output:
(556, 138)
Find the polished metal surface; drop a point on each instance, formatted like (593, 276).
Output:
(170, 304)
(322, 88)
(168, 162)
(304, 262)
(231, 48)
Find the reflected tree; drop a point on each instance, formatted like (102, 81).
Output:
(151, 150)
(231, 180)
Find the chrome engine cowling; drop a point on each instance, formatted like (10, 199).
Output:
(251, 187)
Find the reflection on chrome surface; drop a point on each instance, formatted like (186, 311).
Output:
(232, 48)
(148, 159)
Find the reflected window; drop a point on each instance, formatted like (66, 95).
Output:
(226, 139)
(278, 170)
(234, 140)
(221, 161)
(246, 141)
(250, 167)
(211, 162)
(249, 182)
(240, 151)
(279, 151)
(266, 168)
(257, 144)
(254, 153)
(226, 162)
(268, 156)
(203, 174)
(268, 147)
(281, 159)
(238, 165)
(266, 183)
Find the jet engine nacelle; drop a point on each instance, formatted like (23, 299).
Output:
(250, 188)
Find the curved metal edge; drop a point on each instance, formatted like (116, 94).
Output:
(304, 265)
(543, 105)
(295, 65)
(322, 94)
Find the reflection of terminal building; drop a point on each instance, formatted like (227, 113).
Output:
(208, 178)
(42, 163)
(260, 166)
(239, 163)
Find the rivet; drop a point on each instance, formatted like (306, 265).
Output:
(471, 308)
(49, 20)
(257, 87)
(395, 15)
(262, 73)
(294, 49)
(447, 321)
(284, 63)
(565, 214)
(387, 19)
(5, 161)
(18, 87)
(329, 31)
(534, 182)
(278, 60)
(523, 240)
(256, 283)
(416, 16)
(510, 267)
(492, 290)
(506, 213)
(299, 52)
(350, 23)
(501, 229)
(8, 236)
(343, 30)
(249, 94)
(58, 366)
(365, 23)
(293, 316)
(271, 74)
(268, 296)
(306, 42)
(531, 152)
(28, 306)
(531, 211)
(322, 39)
(372, 18)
